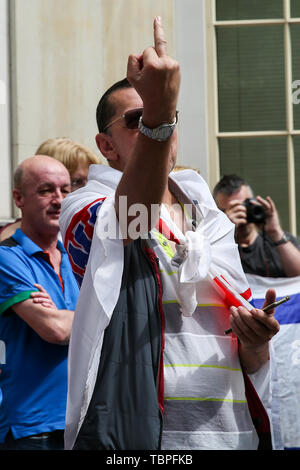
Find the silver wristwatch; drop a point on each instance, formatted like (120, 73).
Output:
(160, 133)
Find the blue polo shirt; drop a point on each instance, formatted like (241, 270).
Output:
(34, 378)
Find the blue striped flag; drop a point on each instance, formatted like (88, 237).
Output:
(284, 405)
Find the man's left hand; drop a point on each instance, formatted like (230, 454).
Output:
(272, 225)
(255, 328)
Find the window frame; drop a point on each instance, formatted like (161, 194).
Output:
(213, 116)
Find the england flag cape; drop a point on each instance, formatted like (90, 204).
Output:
(214, 249)
(284, 404)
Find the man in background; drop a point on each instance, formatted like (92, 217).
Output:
(38, 294)
(265, 249)
(270, 257)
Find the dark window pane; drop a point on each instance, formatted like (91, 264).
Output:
(251, 80)
(263, 164)
(297, 179)
(295, 38)
(248, 9)
(295, 8)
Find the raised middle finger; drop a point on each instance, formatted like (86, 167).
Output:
(160, 44)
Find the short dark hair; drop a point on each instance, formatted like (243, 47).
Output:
(229, 184)
(105, 109)
(18, 177)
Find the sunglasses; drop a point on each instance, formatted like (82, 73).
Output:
(131, 118)
(78, 183)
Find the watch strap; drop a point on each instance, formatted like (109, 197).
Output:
(160, 133)
(284, 239)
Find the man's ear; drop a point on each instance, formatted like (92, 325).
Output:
(18, 198)
(106, 147)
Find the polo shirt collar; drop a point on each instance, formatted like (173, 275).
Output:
(29, 247)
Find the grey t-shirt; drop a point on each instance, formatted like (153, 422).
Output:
(262, 257)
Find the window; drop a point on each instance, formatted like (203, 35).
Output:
(257, 97)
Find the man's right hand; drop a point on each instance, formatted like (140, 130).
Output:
(156, 78)
(42, 297)
(237, 213)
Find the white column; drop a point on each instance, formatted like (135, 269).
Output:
(190, 35)
(5, 176)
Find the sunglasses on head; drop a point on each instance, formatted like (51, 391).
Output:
(131, 118)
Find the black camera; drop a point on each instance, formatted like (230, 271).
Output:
(255, 213)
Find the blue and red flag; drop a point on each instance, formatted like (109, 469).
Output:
(284, 355)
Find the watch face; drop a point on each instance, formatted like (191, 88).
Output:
(165, 132)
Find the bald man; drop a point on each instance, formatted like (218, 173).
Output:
(38, 294)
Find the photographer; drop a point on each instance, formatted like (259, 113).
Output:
(265, 249)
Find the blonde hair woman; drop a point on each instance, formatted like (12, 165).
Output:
(76, 157)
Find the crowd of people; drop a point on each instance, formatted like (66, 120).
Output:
(143, 363)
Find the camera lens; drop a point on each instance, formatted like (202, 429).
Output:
(255, 213)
